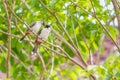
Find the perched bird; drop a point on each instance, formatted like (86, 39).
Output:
(35, 27)
(41, 36)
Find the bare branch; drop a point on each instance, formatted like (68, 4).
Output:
(117, 10)
(9, 38)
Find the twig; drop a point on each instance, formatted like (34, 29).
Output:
(29, 8)
(93, 7)
(12, 35)
(12, 11)
(84, 39)
(52, 60)
(15, 36)
(15, 57)
(43, 66)
(54, 51)
(70, 58)
(100, 24)
(2, 16)
(71, 47)
(60, 23)
(117, 10)
(21, 31)
(109, 34)
(73, 27)
(18, 27)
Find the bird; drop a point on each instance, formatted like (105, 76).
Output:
(35, 26)
(41, 37)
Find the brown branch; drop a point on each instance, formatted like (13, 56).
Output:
(71, 47)
(108, 33)
(93, 7)
(85, 41)
(63, 29)
(18, 27)
(14, 14)
(73, 28)
(117, 12)
(54, 51)
(105, 29)
(15, 36)
(21, 31)
(16, 58)
(66, 55)
(43, 65)
(9, 38)
(100, 24)
(60, 23)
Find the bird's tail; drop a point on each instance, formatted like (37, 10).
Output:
(27, 33)
(34, 51)
(23, 38)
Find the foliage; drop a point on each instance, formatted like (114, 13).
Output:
(75, 17)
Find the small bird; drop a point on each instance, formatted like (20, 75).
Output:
(34, 27)
(41, 36)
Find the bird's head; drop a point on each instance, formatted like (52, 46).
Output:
(47, 26)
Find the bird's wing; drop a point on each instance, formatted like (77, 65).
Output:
(32, 24)
(39, 32)
(38, 35)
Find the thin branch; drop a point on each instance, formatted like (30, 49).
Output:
(12, 11)
(84, 39)
(74, 46)
(74, 32)
(60, 23)
(18, 27)
(12, 35)
(93, 7)
(1, 49)
(108, 34)
(9, 38)
(52, 60)
(21, 31)
(70, 58)
(80, 7)
(2, 16)
(54, 51)
(100, 43)
(28, 7)
(101, 25)
(9, 34)
(43, 65)
(16, 58)
(71, 47)
(117, 1)
(53, 44)
(117, 10)
(15, 36)
(66, 55)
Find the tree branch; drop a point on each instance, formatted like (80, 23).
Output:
(117, 12)
(9, 38)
